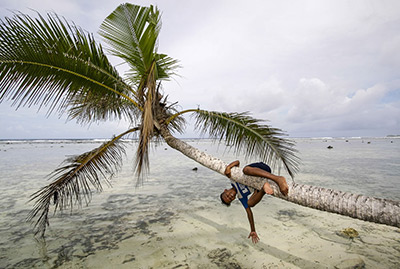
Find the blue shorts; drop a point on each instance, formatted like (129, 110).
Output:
(261, 165)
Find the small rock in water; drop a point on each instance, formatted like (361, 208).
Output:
(223, 258)
(129, 258)
(194, 169)
(351, 263)
(349, 233)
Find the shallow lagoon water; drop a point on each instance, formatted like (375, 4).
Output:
(175, 219)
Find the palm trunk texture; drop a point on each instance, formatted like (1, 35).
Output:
(362, 207)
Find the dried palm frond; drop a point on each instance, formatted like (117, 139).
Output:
(75, 180)
(147, 127)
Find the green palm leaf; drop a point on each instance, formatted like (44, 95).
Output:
(248, 135)
(132, 32)
(73, 182)
(48, 62)
(166, 66)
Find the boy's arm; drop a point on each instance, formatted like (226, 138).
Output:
(228, 168)
(253, 234)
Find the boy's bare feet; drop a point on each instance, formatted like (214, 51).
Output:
(267, 189)
(283, 186)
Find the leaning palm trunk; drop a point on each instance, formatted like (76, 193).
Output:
(348, 204)
(352, 205)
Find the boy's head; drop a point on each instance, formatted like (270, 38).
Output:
(228, 196)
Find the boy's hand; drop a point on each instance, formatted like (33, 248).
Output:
(228, 172)
(228, 168)
(254, 237)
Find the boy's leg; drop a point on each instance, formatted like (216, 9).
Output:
(258, 172)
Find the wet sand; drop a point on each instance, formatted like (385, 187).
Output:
(199, 236)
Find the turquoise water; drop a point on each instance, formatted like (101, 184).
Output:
(175, 219)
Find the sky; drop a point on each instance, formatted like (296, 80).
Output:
(312, 68)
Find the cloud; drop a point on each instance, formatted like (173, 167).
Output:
(314, 100)
(309, 67)
(317, 104)
(264, 97)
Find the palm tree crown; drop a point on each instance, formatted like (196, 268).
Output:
(55, 64)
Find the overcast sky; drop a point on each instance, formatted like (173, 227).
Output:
(311, 68)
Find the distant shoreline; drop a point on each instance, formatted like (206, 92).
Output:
(99, 140)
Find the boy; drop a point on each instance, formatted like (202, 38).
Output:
(255, 169)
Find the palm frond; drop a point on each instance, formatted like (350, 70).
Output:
(249, 136)
(96, 107)
(74, 181)
(51, 63)
(175, 122)
(123, 30)
(166, 66)
(147, 126)
(132, 32)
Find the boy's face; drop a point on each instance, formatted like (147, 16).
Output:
(229, 195)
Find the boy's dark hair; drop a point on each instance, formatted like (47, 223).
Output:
(222, 200)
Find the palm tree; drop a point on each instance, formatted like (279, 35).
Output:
(54, 64)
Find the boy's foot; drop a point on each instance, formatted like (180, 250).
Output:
(283, 186)
(267, 189)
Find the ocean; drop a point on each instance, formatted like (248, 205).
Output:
(176, 220)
